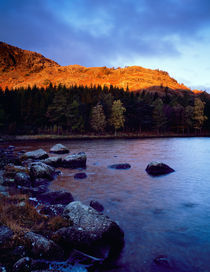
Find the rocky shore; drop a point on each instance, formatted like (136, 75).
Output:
(46, 231)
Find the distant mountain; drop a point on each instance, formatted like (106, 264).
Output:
(20, 68)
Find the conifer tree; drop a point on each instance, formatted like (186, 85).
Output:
(117, 119)
(199, 116)
(98, 119)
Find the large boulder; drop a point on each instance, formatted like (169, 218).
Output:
(38, 154)
(91, 231)
(53, 161)
(41, 247)
(5, 235)
(75, 160)
(59, 149)
(56, 197)
(41, 170)
(158, 168)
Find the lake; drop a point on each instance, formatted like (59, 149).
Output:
(167, 215)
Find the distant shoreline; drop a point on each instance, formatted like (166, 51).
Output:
(46, 137)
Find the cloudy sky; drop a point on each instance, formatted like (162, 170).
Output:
(171, 35)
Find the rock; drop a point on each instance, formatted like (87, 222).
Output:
(33, 191)
(162, 260)
(52, 210)
(59, 149)
(22, 265)
(41, 247)
(22, 179)
(92, 232)
(53, 161)
(41, 170)
(96, 205)
(120, 166)
(38, 154)
(2, 268)
(11, 170)
(5, 235)
(158, 168)
(75, 160)
(57, 197)
(80, 176)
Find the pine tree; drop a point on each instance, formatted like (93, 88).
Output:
(98, 119)
(117, 119)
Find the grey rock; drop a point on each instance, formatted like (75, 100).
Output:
(36, 154)
(22, 265)
(59, 149)
(41, 170)
(75, 160)
(158, 168)
(53, 161)
(41, 247)
(96, 205)
(22, 179)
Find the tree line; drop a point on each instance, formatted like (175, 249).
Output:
(82, 109)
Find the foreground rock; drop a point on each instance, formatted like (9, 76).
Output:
(22, 179)
(92, 232)
(41, 247)
(57, 197)
(38, 154)
(75, 160)
(53, 161)
(41, 170)
(158, 168)
(120, 166)
(59, 149)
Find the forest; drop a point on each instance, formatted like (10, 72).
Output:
(101, 110)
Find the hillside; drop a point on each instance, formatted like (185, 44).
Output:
(20, 68)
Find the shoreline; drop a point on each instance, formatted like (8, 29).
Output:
(52, 137)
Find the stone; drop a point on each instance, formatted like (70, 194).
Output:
(158, 168)
(22, 265)
(11, 170)
(41, 170)
(59, 149)
(75, 160)
(91, 232)
(56, 197)
(5, 235)
(120, 166)
(22, 179)
(41, 247)
(53, 161)
(96, 205)
(52, 210)
(38, 154)
(80, 176)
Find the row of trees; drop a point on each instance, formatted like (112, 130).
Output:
(80, 109)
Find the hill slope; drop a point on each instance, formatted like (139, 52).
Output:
(20, 68)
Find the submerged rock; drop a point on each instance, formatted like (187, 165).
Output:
(91, 232)
(120, 166)
(162, 260)
(80, 176)
(41, 247)
(41, 170)
(158, 168)
(59, 149)
(75, 160)
(38, 154)
(57, 197)
(96, 205)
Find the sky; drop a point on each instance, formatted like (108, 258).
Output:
(170, 35)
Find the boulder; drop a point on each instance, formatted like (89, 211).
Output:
(38, 154)
(59, 149)
(53, 161)
(41, 247)
(80, 176)
(57, 197)
(75, 160)
(5, 235)
(91, 232)
(22, 179)
(120, 166)
(52, 210)
(96, 205)
(33, 191)
(41, 170)
(158, 168)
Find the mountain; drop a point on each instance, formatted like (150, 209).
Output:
(20, 68)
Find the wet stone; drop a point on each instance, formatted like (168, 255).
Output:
(120, 166)
(80, 176)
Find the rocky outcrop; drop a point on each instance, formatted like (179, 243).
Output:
(41, 247)
(59, 149)
(120, 166)
(41, 170)
(158, 168)
(38, 154)
(75, 160)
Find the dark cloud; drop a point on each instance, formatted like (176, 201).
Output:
(93, 32)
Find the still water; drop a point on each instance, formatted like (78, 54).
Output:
(167, 215)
